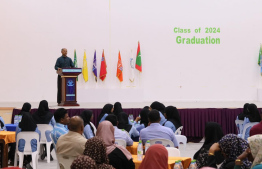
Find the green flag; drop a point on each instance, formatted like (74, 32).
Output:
(75, 61)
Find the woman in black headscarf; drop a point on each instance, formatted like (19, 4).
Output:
(87, 116)
(43, 115)
(124, 124)
(27, 124)
(143, 119)
(244, 114)
(213, 133)
(253, 113)
(26, 108)
(107, 109)
(172, 116)
(117, 108)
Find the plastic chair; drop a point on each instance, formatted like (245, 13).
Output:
(181, 139)
(239, 124)
(173, 152)
(43, 128)
(179, 130)
(248, 125)
(65, 161)
(120, 142)
(94, 127)
(27, 136)
(164, 142)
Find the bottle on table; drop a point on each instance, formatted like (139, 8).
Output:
(140, 151)
(147, 145)
(177, 166)
(193, 165)
(180, 164)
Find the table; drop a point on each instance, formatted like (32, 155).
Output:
(133, 149)
(171, 161)
(6, 137)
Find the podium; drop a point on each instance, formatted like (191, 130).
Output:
(69, 86)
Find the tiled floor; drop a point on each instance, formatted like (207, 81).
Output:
(190, 150)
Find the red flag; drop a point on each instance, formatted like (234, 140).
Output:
(138, 59)
(119, 72)
(103, 66)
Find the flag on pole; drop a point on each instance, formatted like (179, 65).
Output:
(75, 61)
(259, 60)
(119, 71)
(132, 67)
(85, 70)
(103, 66)
(138, 59)
(94, 67)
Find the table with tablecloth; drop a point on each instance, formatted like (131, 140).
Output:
(6, 137)
(133, 149)
(171, 161)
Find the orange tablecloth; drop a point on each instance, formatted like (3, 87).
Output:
(171, 161)
(8, 136)
(133, 149)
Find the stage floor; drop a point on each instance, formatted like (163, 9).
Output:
(179, 105)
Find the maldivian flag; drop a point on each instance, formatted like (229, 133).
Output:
(119, 71)
(103, 66)
(259, 56)
(85, 70)
(138, 59)
(75, 61)
(94, 67)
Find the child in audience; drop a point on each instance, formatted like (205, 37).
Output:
(173, 118)
(118, 156)
(87, 116)
(107, 109)
(26, 108)
(124, 124)
(156, 157)
(143, 118)
(244, 114)
(117, 108)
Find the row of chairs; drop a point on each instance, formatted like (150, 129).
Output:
(242, 129)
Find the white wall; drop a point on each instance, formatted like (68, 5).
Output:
(33, 32)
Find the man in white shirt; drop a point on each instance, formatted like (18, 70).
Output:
(119, 134)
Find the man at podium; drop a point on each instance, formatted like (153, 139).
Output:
(62, 62)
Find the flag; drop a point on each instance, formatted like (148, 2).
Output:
(138, 59)
(94, 67)
(259, 57)
(103, 66)
(85, 70)
(119, 71)
(132, 67)
(75, 62)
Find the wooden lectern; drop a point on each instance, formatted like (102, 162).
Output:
(69, 89)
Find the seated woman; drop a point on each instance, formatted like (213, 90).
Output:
(87, 116)
(26, 108)
(96, 149)
(173, 118)
(253, 116)
(156, 157)
(117, 108)
(143, 118)
(107, 109)
(161, 108)
(124, 124)
(244, 114)
(118, 156)
(213, 133)
(27, 124)
(253, 153)
(231, 146)
(83, 162)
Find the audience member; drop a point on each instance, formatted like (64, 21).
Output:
(117, 108)
(96, 149)
(156, 157)
(161, 108)
(107, 109)
(124, 124)
(143, 118)
(155, 130)
(62, 120)
(83, 162)
(231, 146)
(118, 156)
(26, 108)
(119, 134)
(213, 133)
(256, 129)
(27, 124)
(87, 116)
(73, 143)
(173, 118)
(244, 114)
(44, 116)
(2, 124)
